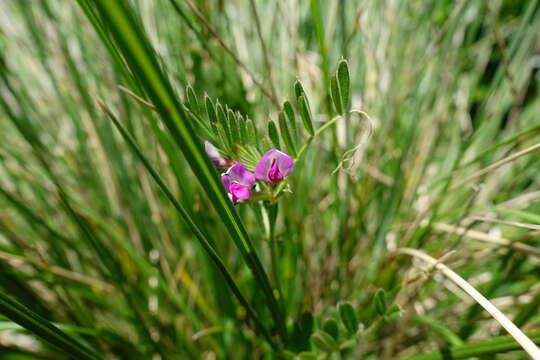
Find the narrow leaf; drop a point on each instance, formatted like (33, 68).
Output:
(233, 126)
(380, 302)
(291, 120)
(305, 113)
(286, 134)
(192, 100)
(222, 119)
(393, 314)
(335, 92)
(273, 134)
(298, 89)
(210, 109)
(242, 127)
(252, 133)
(324, 341)
(343, 78)
(347, 315)
(331, 327)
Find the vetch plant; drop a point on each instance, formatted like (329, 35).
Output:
(205, 179)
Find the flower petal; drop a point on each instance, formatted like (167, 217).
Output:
(214, 154)
(238, 173)
(285, 163)
(226, 181)
(239, 191)
(270, 160)
(274, 175)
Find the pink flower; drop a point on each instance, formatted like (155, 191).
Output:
(238, 181)
(274, 166)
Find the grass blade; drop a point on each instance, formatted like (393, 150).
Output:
(23, 316)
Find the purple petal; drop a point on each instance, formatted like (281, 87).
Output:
(274, 166)
(239, 192)
(214, 154)
(274, 175)
(238, 173)
(225, 180)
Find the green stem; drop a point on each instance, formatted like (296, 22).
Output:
(272, 212)
(317, 133)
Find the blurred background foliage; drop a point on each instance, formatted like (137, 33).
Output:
(89, 242)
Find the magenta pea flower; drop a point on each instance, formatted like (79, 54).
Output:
(238, 181)
(214, 155)
(274, 166)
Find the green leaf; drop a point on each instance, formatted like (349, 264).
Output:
(273, 134)
(393, 314)
(242, 127)
(291, 120)
(380, 302)
(335, 92)
(343, 79)
(298, 89)
(222, 119)
(252, 133)
(25, 317)
(487, 347)
(233, 126)
(324, 341)
(286, 134)
(347, 344)
(193, 104)
(347, 314)
(306, 355)
(527, 311)
(249, 156)
(331, 327)
(210, 109)
(212, 117)
(305, 113)
(451, 337)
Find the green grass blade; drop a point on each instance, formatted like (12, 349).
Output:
(23, 316)
(482, 348)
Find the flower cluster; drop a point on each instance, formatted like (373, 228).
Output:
(272, 168)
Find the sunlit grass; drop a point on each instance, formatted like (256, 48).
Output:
(118, 239)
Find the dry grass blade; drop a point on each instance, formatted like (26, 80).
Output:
(526, 343)
(510, 223)
(478, 235)
(497, 165)
(136, 97)
(13, 259)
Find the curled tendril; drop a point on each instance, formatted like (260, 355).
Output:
(349, 157)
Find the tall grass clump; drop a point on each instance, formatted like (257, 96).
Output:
(201, 179)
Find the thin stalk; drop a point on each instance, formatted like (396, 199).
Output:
(271, 210)
(497, 165)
